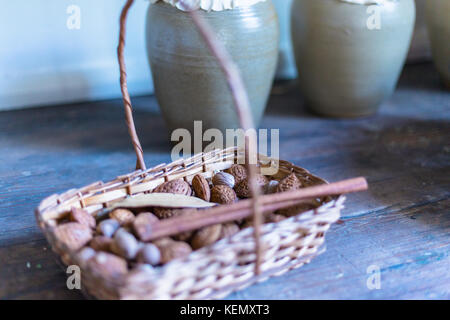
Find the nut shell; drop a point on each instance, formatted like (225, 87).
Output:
(178, 186)
(101, 243)
(174, 250)
(206, 236)
(150, 254)
(223, 194)
(142, 225)
(83, 217)
(229, 230)
(223, 178)
(108, 265)
(123, 216)
(73, 235)
(201, 187)
(108, 227)
(125, 244)
(243, 188)
(239, 172)
(291, 182)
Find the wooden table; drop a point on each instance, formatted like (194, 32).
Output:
(401, 225)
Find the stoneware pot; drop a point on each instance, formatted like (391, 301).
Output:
(438, 23)
(349, 56)
(189, 84)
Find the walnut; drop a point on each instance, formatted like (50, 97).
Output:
(223, 194)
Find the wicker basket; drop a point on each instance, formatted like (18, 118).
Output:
(233, 263)
(209, 273)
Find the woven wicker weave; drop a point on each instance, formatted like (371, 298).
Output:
(211, 272)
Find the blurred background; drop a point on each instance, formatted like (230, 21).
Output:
(61, 51)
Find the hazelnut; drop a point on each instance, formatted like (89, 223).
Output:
(229, 230)
(174, 250)
(101, 243)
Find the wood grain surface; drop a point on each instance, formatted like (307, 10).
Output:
(401, 225)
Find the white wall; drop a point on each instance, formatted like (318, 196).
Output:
(42, 61)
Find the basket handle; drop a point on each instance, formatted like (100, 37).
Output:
(240, 99)
(140, 163)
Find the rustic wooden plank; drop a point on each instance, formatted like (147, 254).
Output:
(401, 224)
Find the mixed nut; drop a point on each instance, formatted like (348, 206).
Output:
(113, 244)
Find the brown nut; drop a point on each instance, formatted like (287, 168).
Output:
(223, 195)
(239, 172)
(101, 243)
(206, 236)
(178, 186)
(108, 265)
(223, 178)
(125, 244)
(291, 182)
(229, 230)
(150, 254)
(73, 235)
(201, 187)
(143, 223)
(108, 227)
(83, 217)
(243, 188)
(174, 250)
(123, 216)
(274, 218)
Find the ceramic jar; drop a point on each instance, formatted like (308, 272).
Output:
(349, 56)
(189, 84)
(438, 23)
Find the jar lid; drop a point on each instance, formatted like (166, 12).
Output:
(211, 5)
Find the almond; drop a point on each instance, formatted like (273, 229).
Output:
(239, 172)
(73, 235)
(174, 250)
(206, 236)
(229, 230)
(201, 187)
(123, 216)
(291, 182)
(178, 186)
(243, 188)
(222, 194)
(101, 243)
(83, 217)
(143, 223)
(108, 265)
